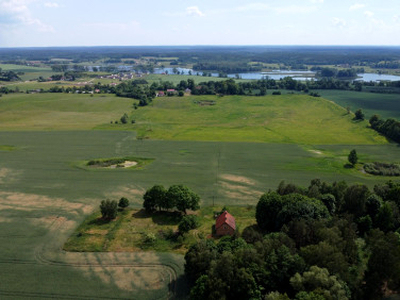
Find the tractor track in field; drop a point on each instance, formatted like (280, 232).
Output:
(40, 258)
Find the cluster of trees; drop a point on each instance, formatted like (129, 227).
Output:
(109, 208)
(226, 67)
(177, 196)
(326, 241)
(136, 90)
(389, 128)
(8, 76)
(339, 74)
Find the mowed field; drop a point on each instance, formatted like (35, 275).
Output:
(45, 194)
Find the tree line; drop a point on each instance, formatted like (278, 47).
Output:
(325, 241)
(389, 127)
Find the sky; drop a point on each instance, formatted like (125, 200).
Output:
(44, 23)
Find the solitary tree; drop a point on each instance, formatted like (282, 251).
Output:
(123, 202)
(359, 115)
(353, 158)
(108, 209)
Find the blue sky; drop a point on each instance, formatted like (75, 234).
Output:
(185, 22)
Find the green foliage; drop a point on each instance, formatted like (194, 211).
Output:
(123, 203)
(383, 269)
(382, 169)
(355, 200)
(187, 223)
(273, 211)
(353, 158)
(108, 209)
(154, 198)
(124, 119)
(359, 115)
(320, 282)
(183, 198)
(268, 207)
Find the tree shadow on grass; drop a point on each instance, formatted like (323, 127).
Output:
(141, 214)
(99, 221)
(166, 217)
(180, 286)
(348, 166)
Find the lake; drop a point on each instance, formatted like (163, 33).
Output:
(280, 74)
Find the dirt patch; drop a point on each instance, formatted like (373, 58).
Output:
(133, 193)
(316, 152)
(240, 192)
(125, 164)
(130, 278)
(238, 179)
(8, 175)
(31, 202)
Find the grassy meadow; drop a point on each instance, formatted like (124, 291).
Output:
(296, 119)
(229, 153)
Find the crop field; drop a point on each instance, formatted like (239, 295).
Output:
(385, 105)
(45, 193)
(60, 111)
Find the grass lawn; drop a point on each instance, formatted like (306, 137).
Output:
(129, 230)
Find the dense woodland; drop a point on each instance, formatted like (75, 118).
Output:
(326, 241)
(222, 56)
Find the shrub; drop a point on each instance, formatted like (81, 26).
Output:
(382, 169)
(187, 223)
(108, 209)
(123, 202)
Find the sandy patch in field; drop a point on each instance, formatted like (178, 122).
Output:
(239, 191)
(316, 152)
(8, 175)
(133, 193)
(31, 202)
(6, 220)
(238, 179)
(125, 164)
(130, 278)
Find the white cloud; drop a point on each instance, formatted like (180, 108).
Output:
(317, 1)
(396, 18)
(51, 4)
(194, 11)
(17, 12)
(337, 22)
(356, 6)
(368, 13)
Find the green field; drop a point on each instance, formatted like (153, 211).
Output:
(385, 105)
(45, 195)
(297, 119)
(60, 111)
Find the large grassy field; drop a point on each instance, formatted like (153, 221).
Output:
(60, 111)
(45, 193)
(297, 119)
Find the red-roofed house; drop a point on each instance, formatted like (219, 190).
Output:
(225, 224)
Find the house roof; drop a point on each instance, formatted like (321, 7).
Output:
(225, 218)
